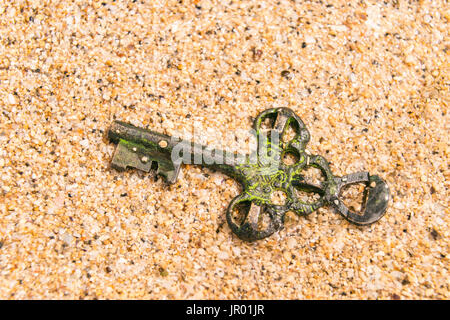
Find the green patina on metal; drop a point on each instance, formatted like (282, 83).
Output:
(262, 174)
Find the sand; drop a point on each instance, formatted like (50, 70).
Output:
(370, 80)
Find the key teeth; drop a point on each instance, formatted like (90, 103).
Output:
(170, 175)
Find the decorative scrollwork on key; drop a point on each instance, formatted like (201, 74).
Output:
(259, 215)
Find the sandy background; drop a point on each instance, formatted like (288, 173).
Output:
(369, 80)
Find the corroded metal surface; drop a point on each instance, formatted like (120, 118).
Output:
(254, 214)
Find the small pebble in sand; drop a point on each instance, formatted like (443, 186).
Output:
(287, 74)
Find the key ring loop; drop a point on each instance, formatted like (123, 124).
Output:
(376, 198)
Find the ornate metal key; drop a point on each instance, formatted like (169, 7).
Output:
(261, 174)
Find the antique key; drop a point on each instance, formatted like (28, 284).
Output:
(260, 174)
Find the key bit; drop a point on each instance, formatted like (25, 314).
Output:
(254, 214)
(139, 148)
